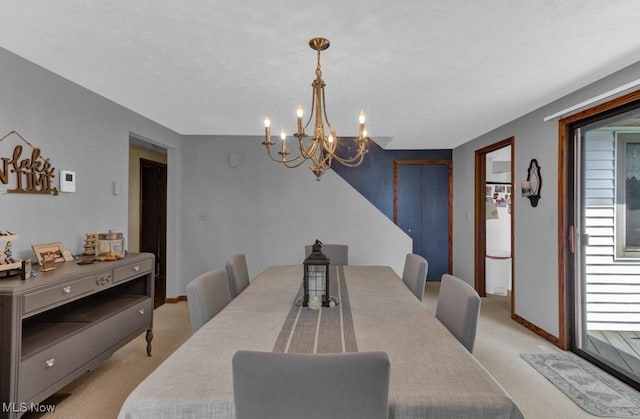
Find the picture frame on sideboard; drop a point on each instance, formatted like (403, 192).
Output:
(56, 248)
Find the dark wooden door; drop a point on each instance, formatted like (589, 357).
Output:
(422, 208)
(153, 221)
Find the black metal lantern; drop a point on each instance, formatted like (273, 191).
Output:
(316, 276)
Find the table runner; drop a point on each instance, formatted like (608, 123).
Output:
(316, 331)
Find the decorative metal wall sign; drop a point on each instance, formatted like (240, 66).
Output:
(31, 172)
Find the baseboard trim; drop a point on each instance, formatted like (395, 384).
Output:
(537, 330)
(174, 300)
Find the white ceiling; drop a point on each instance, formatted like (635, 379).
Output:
(429, 74)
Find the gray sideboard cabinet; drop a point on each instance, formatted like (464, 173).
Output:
(63, 323)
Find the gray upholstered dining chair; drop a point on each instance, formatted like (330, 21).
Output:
(338, 254)
(207, 294)
(270, 385)
(458, 309)
(414, 274)
(238, 274)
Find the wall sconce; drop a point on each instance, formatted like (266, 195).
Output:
(533, 185)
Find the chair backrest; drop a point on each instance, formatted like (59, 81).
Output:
(414, 274)
(458, 309)
(238, 274)
(207, 294)
(338, 254)
(270, 385)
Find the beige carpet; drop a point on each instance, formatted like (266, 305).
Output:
(499, 343)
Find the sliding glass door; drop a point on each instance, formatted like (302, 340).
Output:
(605, 241)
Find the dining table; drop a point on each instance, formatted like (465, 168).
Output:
(432, 374)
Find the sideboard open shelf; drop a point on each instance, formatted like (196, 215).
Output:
(63, 323)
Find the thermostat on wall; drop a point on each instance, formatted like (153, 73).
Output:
(67, 181)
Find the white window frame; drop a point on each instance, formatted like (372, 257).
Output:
(622, 250)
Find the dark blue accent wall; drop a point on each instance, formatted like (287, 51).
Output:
(423, 204)
(374, 177)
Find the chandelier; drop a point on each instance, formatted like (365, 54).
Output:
(322, 147)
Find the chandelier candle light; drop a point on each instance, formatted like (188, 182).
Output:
(321, 148)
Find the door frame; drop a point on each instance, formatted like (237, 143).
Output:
(480, 221)
(566, 238)
(449, 164)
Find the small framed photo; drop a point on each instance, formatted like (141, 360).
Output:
(48, 261)
(500, 188)
(488, 190)
(51, 249)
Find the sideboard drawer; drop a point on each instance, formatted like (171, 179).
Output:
(58, 294)
(134, 318)
(132, 270)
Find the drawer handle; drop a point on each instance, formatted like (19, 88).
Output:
(136, 268)
(49, 363)
(66, 290)
(141, 311)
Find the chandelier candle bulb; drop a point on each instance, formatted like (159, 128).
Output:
(283, 135)
(267, 128)
(300, 112)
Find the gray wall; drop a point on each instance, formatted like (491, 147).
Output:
(269, 212)
(214, 210)
(80, 131)
(259, 208)
(536, 232)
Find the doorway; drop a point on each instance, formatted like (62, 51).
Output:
(600, 235)
(494, 215)
(153, 221)
(422, 208)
